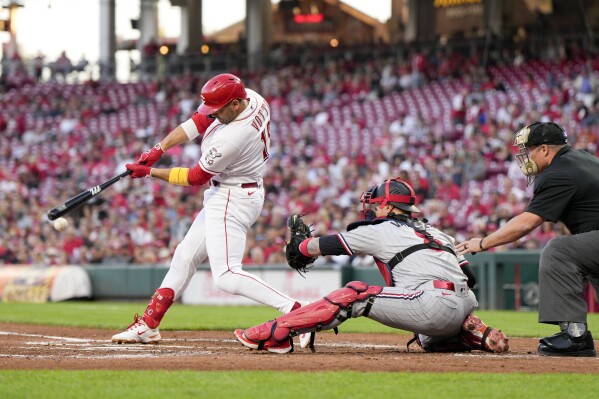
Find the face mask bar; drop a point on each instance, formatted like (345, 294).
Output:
(527, 165)
(367, 213)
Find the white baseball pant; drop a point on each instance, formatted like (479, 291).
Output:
(219, 233)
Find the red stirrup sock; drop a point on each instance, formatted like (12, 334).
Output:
(161, 300)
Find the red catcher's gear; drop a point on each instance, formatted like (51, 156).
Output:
(324, 314)
(395, 192)
(219, 91)
(162, 299)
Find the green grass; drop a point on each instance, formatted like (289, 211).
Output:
(43, 384)
(282, 385)
(116, 315)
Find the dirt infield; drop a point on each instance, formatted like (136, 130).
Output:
(40, 347)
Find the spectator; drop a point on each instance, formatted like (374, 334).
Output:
(62, 66)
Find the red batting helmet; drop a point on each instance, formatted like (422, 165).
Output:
(395, 192)
(219, 91)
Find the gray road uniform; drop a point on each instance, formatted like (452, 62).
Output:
(427, 292)
(427, 288)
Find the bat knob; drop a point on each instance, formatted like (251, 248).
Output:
(52, 214)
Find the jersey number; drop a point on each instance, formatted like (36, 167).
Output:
(266, 140)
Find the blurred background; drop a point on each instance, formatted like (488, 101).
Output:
(431, 91)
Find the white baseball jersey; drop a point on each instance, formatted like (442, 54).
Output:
(236, 152)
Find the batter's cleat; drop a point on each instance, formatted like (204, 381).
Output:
(270, 346)
(138, 333)
(476, 334)
(562, 344)
(305, 338)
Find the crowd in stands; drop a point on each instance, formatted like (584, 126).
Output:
(440, 121)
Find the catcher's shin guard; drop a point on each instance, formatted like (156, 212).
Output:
(324, 314)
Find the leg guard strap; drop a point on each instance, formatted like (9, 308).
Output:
(324, 314)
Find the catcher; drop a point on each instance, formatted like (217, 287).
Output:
(427, 285)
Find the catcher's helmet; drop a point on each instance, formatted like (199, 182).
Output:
(395, 192)
(219, 91)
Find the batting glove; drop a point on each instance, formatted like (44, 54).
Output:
(151, 156)
(138, 170)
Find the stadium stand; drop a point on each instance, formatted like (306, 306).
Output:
(336, 125)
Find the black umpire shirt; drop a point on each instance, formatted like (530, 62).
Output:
(568, 191)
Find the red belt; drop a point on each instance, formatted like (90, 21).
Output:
(243, 185)
(443, 285)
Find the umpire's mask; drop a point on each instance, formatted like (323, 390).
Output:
(534, 135)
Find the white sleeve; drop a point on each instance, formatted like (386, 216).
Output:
(219, 156)
(190, 129)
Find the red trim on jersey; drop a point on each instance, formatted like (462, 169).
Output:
(197, 176)
(202, 122)
(345, 245)
(206, 169)
(384, 272)
(227, 257)
(409, 297)
(225, 222)
(258, 106)
(208, 133)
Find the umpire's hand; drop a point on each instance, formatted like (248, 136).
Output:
(472, 246)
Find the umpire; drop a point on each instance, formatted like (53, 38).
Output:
(566, 189)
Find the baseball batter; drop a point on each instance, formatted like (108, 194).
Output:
(233, 124)
(427, 289)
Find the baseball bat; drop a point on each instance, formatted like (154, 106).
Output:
(81, 198)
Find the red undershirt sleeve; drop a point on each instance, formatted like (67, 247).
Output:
(201, 121)
(197, 176)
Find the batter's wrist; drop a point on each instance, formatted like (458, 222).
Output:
(480, 244)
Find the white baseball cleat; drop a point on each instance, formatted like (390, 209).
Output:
(304, 339)
(138, 333)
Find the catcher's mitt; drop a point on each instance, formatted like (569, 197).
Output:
(299, 232)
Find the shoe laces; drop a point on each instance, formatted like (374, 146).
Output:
(137, 321)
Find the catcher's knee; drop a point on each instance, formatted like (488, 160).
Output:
(323, 314)
(352, 292)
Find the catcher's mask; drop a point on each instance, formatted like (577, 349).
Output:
(534, 135)
(394, 192)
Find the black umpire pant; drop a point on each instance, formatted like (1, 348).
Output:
(564, 262)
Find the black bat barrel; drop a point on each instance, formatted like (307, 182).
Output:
(81, 198)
